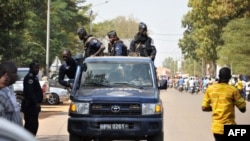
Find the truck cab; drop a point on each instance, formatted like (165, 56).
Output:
(115, 98)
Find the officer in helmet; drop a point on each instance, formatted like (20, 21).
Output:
(33, 96)
(116, 47)
(92, 46)
(143, 45)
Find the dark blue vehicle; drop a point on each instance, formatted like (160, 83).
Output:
(116, 98)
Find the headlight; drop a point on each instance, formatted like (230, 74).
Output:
(151, 108)
(79, 108)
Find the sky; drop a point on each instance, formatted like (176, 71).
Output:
(163, 19)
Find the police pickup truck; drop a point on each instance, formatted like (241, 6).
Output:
(116, 98)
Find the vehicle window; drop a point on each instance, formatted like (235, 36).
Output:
(114, 74)
(21, 74)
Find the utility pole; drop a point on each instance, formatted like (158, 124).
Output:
(48, 39)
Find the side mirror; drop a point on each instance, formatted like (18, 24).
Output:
(84, 67)
(163, 84)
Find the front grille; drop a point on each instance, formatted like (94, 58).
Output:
(115, 109)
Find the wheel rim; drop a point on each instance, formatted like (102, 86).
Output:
(52, 99)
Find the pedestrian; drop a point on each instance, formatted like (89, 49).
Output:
(9, 108)
(33, 97)
(143, 45)
(247, 89)
(240, 84)
(116, 46)
(67, 69)
(221, 99)
(92, 46)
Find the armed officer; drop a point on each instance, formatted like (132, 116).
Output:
(143, 45)
(33, 96)
(92, 46)
(116, 47)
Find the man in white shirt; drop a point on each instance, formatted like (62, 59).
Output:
(247, 89)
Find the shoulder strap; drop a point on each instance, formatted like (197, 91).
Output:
(88, 40)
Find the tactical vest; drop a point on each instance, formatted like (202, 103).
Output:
(143, 48)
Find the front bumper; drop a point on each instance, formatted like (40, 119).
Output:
(138, 127)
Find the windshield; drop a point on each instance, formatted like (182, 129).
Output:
(113, 74)
(21, 74)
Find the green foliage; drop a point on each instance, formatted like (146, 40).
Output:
(170, 63)
(23, 29)
(204, 24)
(125, 27)
(235, 50)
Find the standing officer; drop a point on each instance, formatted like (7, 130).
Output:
(143, 45)
(92, 46)
(116, 46)
(33, 96)
(68, 68)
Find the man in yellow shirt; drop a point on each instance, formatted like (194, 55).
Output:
(221, 99)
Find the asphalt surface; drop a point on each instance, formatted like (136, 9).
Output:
(183, 119)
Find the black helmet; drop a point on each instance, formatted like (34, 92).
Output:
(142, 25)
(112, 34)
(81, 32)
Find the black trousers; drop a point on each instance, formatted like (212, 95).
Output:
(219, 137)
(31, 115)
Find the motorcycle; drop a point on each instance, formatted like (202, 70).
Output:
(170, 85)
(180, 88)
(197, 89)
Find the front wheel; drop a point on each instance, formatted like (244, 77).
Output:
(53, 99)
(73, 137)
(19, 100)
(159, 137)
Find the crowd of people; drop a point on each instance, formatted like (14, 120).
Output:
(194, 82)
(241, 82)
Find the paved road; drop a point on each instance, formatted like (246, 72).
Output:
(183, 119)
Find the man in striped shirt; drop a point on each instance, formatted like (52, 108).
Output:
(221, 98)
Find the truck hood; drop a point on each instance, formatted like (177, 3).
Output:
(115, 94)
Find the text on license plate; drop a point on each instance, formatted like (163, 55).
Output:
(114, 126)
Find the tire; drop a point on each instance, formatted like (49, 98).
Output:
(159, 137)
(53, 99)
(73, 137)
(19, 100)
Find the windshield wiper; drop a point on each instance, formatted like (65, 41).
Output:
(128, 84)
(97, 84)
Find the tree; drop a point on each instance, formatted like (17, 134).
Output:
(170, 63)
(204, 24)
(129, 27)
(12, 20)
(23, 29)
(235, 50)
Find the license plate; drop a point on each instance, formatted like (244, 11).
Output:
(114, 126)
